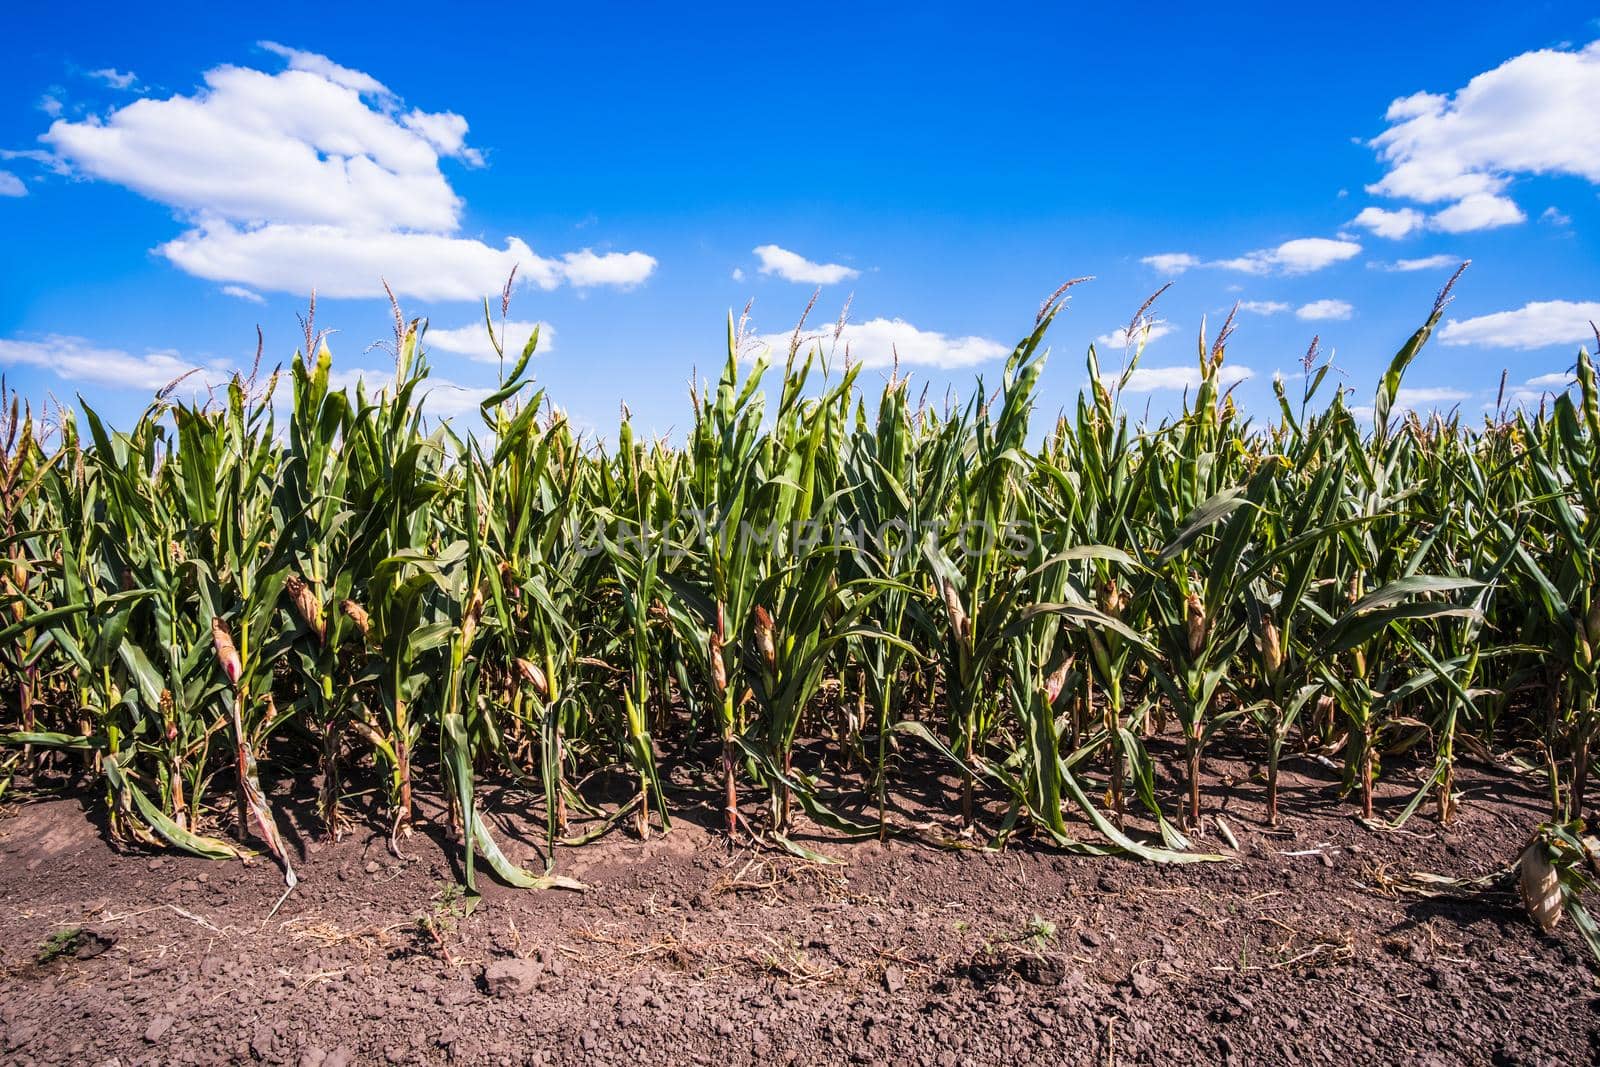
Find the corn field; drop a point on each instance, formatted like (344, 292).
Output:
(815, 598)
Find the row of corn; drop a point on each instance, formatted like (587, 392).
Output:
(802, 606)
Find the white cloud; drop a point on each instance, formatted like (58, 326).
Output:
(315, 176)
(1172, 262)
(1175, 379)
(1416, 399)
(876, 342)
(1438, 262)
(51, 105)
(242, 293)
(472, 340)
(115, 78)
(793, 267)
(77, 360)
(445, 131)
(1540, 324)
(1412, 398)
(337, 262)
(445, 399)
(440, 397)
(623, 269)
(1118, 338)
(1533, 114)
(328, 70)
(1480, 211)
(291, 147)
(1555, 217)
(738, 274)
(343, 263)
(34, 155)
(1303, 255)
(1323, 310)
(1539, 389)
(1392, 224)
(1558, 380)
(1300, 256)
(11, 185)
(1263, 307)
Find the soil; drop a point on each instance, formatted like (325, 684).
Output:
(685, 949)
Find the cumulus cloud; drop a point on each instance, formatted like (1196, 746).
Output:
(439, 397)
(1438, 262)
(1426, 397)
(1533, 114)
(337, 262)
(793, 267)
(115, 78)
(1392, 224)
(83, 362)
(472, 340)
(1263, 307)
(446, 132)
(1539, 324)
(1172, 262)
(1119, 338)
(1422, 399)
(74, 359)
(1537, 391)
(314, 176)
(291, 147)
(623, 269)
(1176, 379)
(328, 70)
(49, 161)
(876, 342)
(1300, 256)
(242, 293)
(11, 185)
(1480, 211)
(1559, 380)
(1303, 255)
(1323, 310)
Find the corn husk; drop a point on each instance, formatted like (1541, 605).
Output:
(306, 605)
(765, 643)
(1271, 647)
(469, 621)
(1112, 599)
(1540, 886)
(952, 606)
(1057, 679)
(227, 654)
(531, 675)
(1325, 709)
(358, 615)
(1195, 623)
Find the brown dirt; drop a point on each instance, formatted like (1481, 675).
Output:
(688, 951)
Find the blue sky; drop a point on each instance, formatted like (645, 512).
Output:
(172, 182)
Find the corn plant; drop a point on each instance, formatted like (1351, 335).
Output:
(1565, 460)
(892, 507)
(809, 602)
(310, 504)
(1193, 584)
(393, 485)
